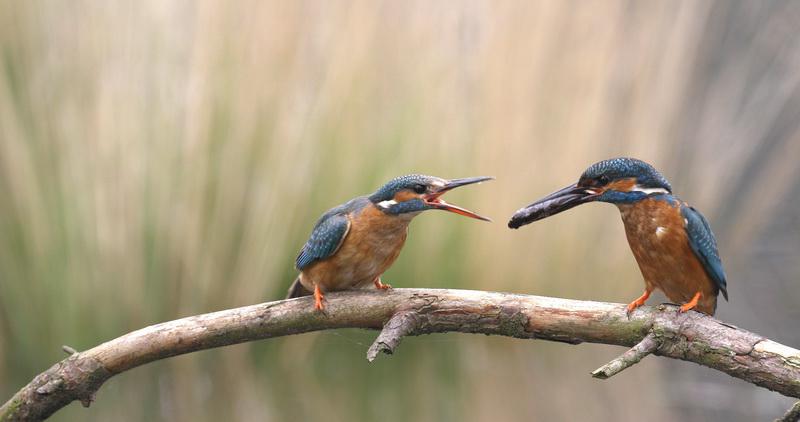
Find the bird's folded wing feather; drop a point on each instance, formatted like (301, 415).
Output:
(704, 245)
(325, 240)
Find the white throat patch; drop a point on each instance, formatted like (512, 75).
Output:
(648, 191)
(386, 204)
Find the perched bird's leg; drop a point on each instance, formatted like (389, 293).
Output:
(379, 285)
(692, 303)
(639, 301)
(318, 297)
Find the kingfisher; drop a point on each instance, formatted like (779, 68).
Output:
(353, 244)
(671, 241)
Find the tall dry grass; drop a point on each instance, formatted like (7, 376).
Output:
(163, 159)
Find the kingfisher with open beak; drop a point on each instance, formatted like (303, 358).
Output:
(672, 242)
(353, 244)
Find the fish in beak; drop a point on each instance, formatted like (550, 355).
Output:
(434, 200)
(562, 200)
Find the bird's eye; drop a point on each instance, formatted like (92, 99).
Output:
(419, 188)
(603, 179)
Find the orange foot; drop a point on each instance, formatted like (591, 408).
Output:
(692, 303)
(318, 297)
(638, 302)
(379, 285)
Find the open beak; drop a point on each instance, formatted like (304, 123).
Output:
(562, 200)
(434, 200)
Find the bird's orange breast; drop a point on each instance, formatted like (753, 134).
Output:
(370, 247)
(657, 236)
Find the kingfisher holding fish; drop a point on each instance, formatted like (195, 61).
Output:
(671, 241)
(353, 244)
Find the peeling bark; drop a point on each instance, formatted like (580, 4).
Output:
(687, 336)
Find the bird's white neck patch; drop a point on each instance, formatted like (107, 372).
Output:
(386, 204)
(648, 191)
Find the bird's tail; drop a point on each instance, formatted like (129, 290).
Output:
(297, 290)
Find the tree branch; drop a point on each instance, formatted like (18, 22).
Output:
(689, 336)
(648, 345)
(402, 324)
(793, 415)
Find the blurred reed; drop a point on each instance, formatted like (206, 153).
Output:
(163, 159)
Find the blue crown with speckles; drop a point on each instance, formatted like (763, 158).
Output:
(620, 168)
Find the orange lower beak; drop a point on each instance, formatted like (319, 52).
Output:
(434, 200)
(441, 205)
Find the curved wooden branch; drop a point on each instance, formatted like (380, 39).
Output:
(792, 415)
(689, 336)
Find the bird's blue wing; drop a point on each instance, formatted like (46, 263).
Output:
(327, 236)
(704, 245)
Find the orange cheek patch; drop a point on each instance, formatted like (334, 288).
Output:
(622, 185)
(404, 195)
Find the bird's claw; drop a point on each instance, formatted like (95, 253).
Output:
(690, 304)
(637, 303)
(381, 286)
(630, 308)
(318, 297)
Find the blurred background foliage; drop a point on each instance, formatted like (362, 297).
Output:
(162, 159)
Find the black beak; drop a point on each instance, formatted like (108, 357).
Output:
(455, 183)
(562, 200)
(434, 200)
